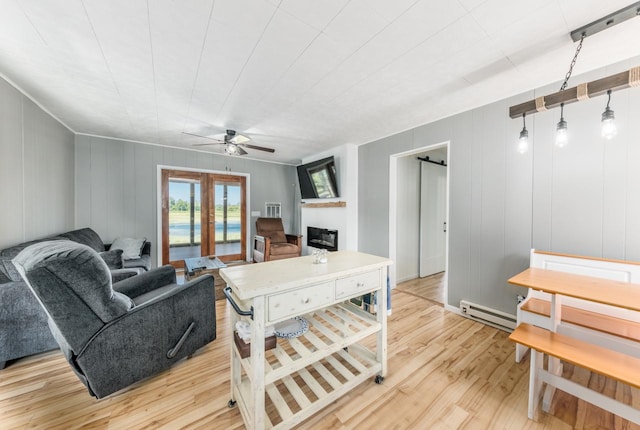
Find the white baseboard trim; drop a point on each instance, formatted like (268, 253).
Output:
(454, 309)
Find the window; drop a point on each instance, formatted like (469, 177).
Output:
(273, 210)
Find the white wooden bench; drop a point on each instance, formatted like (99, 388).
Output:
(603, 361)
(607, 326)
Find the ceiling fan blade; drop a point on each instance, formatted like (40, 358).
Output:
(231, 138)
(203, 137)
(239, 139)
(259, 148)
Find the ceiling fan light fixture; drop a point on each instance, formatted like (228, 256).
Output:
(231, 149)
(233, 142)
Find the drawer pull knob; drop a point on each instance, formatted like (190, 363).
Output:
(305, 301)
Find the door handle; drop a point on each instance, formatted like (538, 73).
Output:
(444, 227)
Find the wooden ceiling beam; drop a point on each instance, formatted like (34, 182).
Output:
(619, 81)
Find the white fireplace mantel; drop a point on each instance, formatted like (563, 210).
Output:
(324, 205)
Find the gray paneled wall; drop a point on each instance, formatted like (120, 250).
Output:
(116, 185)
(36, 170)
(582, 199)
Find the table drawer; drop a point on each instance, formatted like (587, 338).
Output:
(361, 283)
(299, 301)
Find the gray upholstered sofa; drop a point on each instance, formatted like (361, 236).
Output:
(23, 323)
(113, 336)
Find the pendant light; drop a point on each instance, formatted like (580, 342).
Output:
(609, 129)
(618, 81)
(561, 130)
(523, 141)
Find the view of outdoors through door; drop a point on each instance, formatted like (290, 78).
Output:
(185, 218)
(202, 214)
(228, 215)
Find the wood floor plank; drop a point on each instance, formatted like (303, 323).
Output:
(444, 372)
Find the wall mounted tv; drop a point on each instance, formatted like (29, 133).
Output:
(318, 179)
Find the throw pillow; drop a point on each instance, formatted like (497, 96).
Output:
(131, 248)
(113, 258)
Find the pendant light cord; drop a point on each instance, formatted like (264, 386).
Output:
(573, 63)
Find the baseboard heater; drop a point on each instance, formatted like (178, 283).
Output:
(492, 317)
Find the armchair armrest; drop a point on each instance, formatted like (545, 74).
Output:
(118, 275)
(261, 248)
(261, 243)
(296, 239)
(147, 281)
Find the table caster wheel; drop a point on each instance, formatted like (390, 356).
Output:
(379, 379)
(231, 403)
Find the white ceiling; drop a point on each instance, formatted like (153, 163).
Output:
(299, 76)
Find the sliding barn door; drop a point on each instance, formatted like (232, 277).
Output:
(433, 218)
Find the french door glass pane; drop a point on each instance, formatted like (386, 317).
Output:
(228, 217)
(185, 234)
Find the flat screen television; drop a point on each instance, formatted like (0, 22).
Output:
(318, 179)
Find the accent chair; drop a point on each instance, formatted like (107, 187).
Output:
(271, 242)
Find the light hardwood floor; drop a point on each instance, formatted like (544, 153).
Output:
(429, 287)
(445, 372)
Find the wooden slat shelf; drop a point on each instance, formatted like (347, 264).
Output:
(300, 394)
(304, 374)
(324, 205)
(330, 330)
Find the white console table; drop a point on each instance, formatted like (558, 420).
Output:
(280, 388)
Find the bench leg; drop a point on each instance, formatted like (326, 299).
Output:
(535, 383)
(521, 350)
(555, 368)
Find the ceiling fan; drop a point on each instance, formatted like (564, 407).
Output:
(232, 141)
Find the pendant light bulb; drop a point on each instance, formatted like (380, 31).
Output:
(523, 141)
(609, 129)
(561, 130)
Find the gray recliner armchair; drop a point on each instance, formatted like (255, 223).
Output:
(112, 338)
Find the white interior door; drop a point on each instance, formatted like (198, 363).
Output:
(433, 218)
